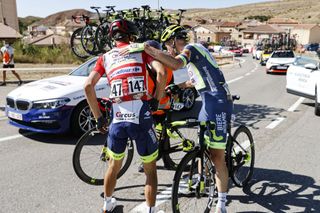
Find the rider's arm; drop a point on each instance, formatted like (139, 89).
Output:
(161, 78)
(175, 63)
(90, 92)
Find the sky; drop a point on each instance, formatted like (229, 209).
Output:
(43, 8)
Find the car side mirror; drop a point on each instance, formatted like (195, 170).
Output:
(311, 66)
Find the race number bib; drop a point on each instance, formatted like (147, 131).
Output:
(136, 84)
(116, 89)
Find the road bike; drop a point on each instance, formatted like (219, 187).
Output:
(90, 157)
(194, 185)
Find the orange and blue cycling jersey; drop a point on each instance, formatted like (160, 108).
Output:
(164, 103)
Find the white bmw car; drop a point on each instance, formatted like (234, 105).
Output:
(279, 61)
(303, 79)
(55, 105)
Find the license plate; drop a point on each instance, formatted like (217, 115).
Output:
(15, 115)
(282, 67)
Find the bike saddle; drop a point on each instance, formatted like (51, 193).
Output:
(182, 10)
(95, 8)
(146, 7)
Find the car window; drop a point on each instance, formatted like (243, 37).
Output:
(283, 54)
(301, 61)
(85, 68)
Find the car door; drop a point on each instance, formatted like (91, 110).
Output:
(300, 79)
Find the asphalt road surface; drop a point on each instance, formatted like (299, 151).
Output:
(36, 173)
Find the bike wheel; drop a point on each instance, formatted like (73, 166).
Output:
(103, 42)
(241, 156)
(88, 39)
(88, 162)
(188, 194)
(175, 139)
(76, 46)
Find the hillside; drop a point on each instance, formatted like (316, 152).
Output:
(305, 11)
(59, 17)
(25, 22)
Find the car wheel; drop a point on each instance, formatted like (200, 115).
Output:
(188, 97)
(316, 105)
(82, 119)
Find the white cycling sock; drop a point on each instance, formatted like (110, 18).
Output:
(222, 199)
(107, 204)
(151, 209)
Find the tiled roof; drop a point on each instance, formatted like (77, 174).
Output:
(266, 28)
(305, 26)
(282, 21)
(8, 32)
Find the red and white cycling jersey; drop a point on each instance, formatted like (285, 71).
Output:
(126, 74)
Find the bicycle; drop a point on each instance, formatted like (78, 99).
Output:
(90, 158)
(75, 41)
(194, 186)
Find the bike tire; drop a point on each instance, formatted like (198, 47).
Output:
(104, 43)
(93, 142)
(76, 45)
(172, 151)
(185, 191)
(88, 39)
(241, 164)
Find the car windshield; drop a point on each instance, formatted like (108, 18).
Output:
(283, 54)
(301, 61)
(85, 68)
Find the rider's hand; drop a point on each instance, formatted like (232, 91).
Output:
(153, 104)
(101, 124)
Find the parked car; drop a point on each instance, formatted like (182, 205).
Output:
(312, 47)
(236, 51)
(58, 104)
(279, 61)
(244, 49)
(303, 79)
(265, 55)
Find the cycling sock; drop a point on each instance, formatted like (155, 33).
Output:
(222, 199)
(107, 204)
(151, 209)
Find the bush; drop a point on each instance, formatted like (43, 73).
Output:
(61, 54)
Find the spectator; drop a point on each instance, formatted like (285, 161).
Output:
(7, 53)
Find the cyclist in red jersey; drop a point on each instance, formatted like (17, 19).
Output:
(131, 115)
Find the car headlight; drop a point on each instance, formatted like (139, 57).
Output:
(50, 103)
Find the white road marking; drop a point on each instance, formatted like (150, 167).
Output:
(163, 197)
(3, 118)
(275, 123)
(247, 74)
(236, 79)
(12, 137)
(296, 104)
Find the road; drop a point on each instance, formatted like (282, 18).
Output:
(37, 175)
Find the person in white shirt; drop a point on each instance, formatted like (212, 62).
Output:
(7, 53)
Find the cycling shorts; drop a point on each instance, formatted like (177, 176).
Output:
(215, 114)
(132, 119)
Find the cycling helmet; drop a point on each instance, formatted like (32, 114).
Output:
(154, 44)
(174, 31)
(120, 28)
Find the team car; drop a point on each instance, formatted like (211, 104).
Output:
(279, 61)
(303, 79)
(265, 55)
(58, 104)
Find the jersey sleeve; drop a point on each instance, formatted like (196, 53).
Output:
(147, 58)
(99, 67)
(185, 55)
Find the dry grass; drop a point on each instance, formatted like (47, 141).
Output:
(304, 11)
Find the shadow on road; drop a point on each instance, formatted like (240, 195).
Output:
(279, 191)
(251, 114)
(50, 138)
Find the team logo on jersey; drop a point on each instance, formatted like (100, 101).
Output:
(126, 70)
(125, 116)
